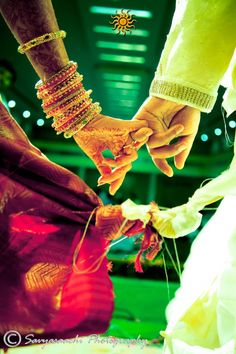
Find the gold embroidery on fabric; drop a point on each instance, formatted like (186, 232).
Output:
(189, 94)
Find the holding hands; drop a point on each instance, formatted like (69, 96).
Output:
(158, 122)
(122, 138)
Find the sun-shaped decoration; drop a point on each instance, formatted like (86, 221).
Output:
(123, 22)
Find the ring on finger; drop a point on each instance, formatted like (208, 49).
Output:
(134, 141)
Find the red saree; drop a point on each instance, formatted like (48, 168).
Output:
(44, 210)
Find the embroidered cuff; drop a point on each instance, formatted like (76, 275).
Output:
(182, 94)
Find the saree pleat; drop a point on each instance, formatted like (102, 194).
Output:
(44, 209)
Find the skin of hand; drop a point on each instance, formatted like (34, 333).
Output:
(169, 120)
(123, 138)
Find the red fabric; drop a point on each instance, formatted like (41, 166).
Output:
(44, 209)
(109, 220)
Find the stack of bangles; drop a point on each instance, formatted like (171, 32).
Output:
(65, 99)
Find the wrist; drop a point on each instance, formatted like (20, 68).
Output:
(161, 109)
(156, 104)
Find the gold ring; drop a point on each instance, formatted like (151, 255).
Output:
(134, 141)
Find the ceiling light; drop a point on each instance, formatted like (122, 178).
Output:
(140, 33)
(127, 103)
(121, 77)
(218, 131)
(26, 114)
(122, 58)
(232, 124)
(204, 137)
(40, 122)
(123, 85)
(109, 30)
(116, 92)
(121, 46)
(11, 104)
(103, 10)
(103, 29)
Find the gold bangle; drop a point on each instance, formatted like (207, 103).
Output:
(63, 102)
(83, 121)
(64, 113)
(74, 112)
(41, 39)
(55, 79)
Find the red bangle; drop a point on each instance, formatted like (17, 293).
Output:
(72, 120)
(47, 92)
(72, 111)
(64, 105)
(57, 99)
(58, 77)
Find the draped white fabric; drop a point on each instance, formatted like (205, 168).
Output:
(202, 316)
(203, 312)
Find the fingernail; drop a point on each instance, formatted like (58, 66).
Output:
(101, 183)
(180, 167)
(112, 192)
(181, 148)
(179, 130)
(149, 133)
(100, 179)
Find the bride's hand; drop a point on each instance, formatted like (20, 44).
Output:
(123, 138)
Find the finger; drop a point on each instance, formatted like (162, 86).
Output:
(141, 134)
(181, 158)
(130, 143)
(163, 165)
(167, 151)
(164, 138)
(122, 160)
(133, 125)
(101, 165)
(136, 140)
(116, 174)
(116, 184)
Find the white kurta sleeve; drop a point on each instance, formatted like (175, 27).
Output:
(198, 50)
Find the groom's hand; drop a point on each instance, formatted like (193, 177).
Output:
(169, 120)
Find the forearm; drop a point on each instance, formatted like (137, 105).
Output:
(197, 53)
(60, 88)
(31, 19)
